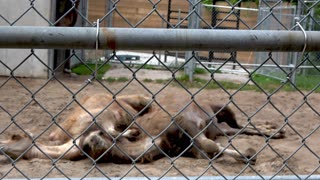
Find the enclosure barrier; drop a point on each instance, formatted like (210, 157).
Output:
(158, 39)
(275, 34)
(313, 177)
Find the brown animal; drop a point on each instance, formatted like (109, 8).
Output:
(103, 129)
(114, 115)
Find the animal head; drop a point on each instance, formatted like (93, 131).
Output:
(95, 142)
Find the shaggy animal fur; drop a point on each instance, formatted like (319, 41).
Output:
(140, 128)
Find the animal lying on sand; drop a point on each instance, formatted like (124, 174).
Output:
(135, 127)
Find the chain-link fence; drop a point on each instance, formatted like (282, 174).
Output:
(131, 101)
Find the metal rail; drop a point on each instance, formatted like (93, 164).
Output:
(311, 177)
(157, 39)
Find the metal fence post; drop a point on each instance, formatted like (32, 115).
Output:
(109, 23)
(193, 23)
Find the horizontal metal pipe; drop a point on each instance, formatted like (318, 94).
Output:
(157, 39)
(278, 177)
(258, 65)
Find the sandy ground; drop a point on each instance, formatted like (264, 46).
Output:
(298, 153)
(143, 74)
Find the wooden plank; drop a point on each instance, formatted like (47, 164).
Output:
(96, 10)
(136, 10)
(140, 4)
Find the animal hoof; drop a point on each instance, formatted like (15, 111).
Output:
(250, 155)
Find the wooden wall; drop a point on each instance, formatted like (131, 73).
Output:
(136, 10)
(132, 11)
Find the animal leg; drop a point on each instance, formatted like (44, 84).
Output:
(131, 133)
(206, 148)
(143, 150)
(151, 151)
(16, 148)
(26, 149)
(226, 115)
(268, 132)
(137, 102)
(69, 151)
(193, 128)
(209, 146)
(245, 157)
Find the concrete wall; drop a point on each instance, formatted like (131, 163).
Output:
(31, 66)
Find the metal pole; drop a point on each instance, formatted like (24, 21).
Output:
(51, 51)
(179, 19)
(157, 39)
(84, 10)
(109, 23)
(277, 177)
(193, 23)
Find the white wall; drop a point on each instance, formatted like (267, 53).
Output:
(31, 67)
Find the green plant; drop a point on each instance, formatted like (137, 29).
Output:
(147, 80)
(147, 66)
(160, 81)
(260, 82)
(119, 79)
(308, 82)
(305, 83)
(200, 71)
(88, 69)
(111, 79)
(122, 79)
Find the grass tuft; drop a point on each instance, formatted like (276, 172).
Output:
(304, 83)
(266, 83)
(89, 69)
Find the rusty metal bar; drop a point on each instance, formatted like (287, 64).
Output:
(157, 39)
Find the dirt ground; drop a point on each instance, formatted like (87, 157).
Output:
(297, 153)
(163, 74)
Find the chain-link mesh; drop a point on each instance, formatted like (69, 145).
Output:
(274, 91)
